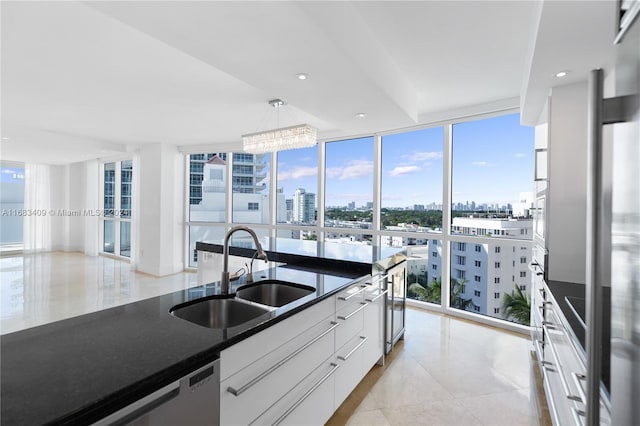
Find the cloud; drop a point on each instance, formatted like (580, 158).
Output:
(404, 170)
(520, 155)
(354, 170)
(423, 156)
(297, 173)
(483, 164)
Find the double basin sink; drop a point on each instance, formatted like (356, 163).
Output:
(250, 302)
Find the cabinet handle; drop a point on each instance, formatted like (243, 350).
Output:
(346, 317)
(364, 287)
(377, 297)
(306, 394)
(378, 279)
(242, 389)
(563, 380)
(577, 414)
(577, 377)
(346, 357)
(550, 325)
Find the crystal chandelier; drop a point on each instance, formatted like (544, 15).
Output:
(293, 137)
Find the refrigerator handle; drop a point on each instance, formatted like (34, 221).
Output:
(600, 112)
(593, 295)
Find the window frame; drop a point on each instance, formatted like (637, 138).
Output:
(444, 240)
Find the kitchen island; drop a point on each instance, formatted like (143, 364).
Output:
(79, 370)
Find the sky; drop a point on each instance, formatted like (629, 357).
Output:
(492, 163)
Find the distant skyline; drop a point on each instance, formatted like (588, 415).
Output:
(492, 164)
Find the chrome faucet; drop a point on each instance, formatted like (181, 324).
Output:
(260, 254)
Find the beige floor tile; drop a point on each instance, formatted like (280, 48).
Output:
(368, 418)
(42, 288)
(507, 408)
(405, 382)
(445, 413)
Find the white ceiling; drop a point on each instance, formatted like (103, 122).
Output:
(83, 80)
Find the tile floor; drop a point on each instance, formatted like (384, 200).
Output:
(42, 288)
(446, 371)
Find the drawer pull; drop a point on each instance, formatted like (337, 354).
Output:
(577, 377)
(306, 394)
(363, 288)
(378, 296)
(378, 279)
(346, 317)
(577, 414)
(242, 389)
(346, 357)
(563, 380)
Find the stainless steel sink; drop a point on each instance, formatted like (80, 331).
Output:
(274, 292)
(218, 313)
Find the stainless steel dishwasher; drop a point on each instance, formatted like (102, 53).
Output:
(191, 400)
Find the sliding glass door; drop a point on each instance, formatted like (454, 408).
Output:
(116, 208)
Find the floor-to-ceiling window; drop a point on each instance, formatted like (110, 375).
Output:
(117, 195)
(207, 195)
(491, 220)
(12, 205)
(348, 193)
(411, 205)
(455, 197)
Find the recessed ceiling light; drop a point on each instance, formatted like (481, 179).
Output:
(561, 74)
(302, 76)
(360, 114)
(5, 138)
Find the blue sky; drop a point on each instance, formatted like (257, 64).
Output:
(492, 163)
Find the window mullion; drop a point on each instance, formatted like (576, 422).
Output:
(446, 217)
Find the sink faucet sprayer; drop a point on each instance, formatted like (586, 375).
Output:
(260, 254)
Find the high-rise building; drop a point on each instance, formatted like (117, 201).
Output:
(304, 206)
(486, 271)
(249, 172)
(250, 195)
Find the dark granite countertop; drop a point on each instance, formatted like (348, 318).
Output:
(348, 260)
(78, 370)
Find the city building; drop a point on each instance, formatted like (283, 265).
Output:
(250, 198)
(304, 206)
(486, 271)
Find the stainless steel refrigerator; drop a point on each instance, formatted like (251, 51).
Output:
(613, 214)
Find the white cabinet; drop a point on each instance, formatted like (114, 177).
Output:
(265, 367)
(350, 359)
(373, 327)
(309, 403)
(300, 370)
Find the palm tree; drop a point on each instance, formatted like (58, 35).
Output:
(517, 306)
(432, 293)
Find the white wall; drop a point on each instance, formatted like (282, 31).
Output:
(161, 210)
(74, 188)
(59, 194)
(566, 214)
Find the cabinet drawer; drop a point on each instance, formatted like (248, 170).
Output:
(353, 294)
(351, 320)
(310, 402)
(350, 360)
(240, 355)
(248, 393)
(373, 328)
